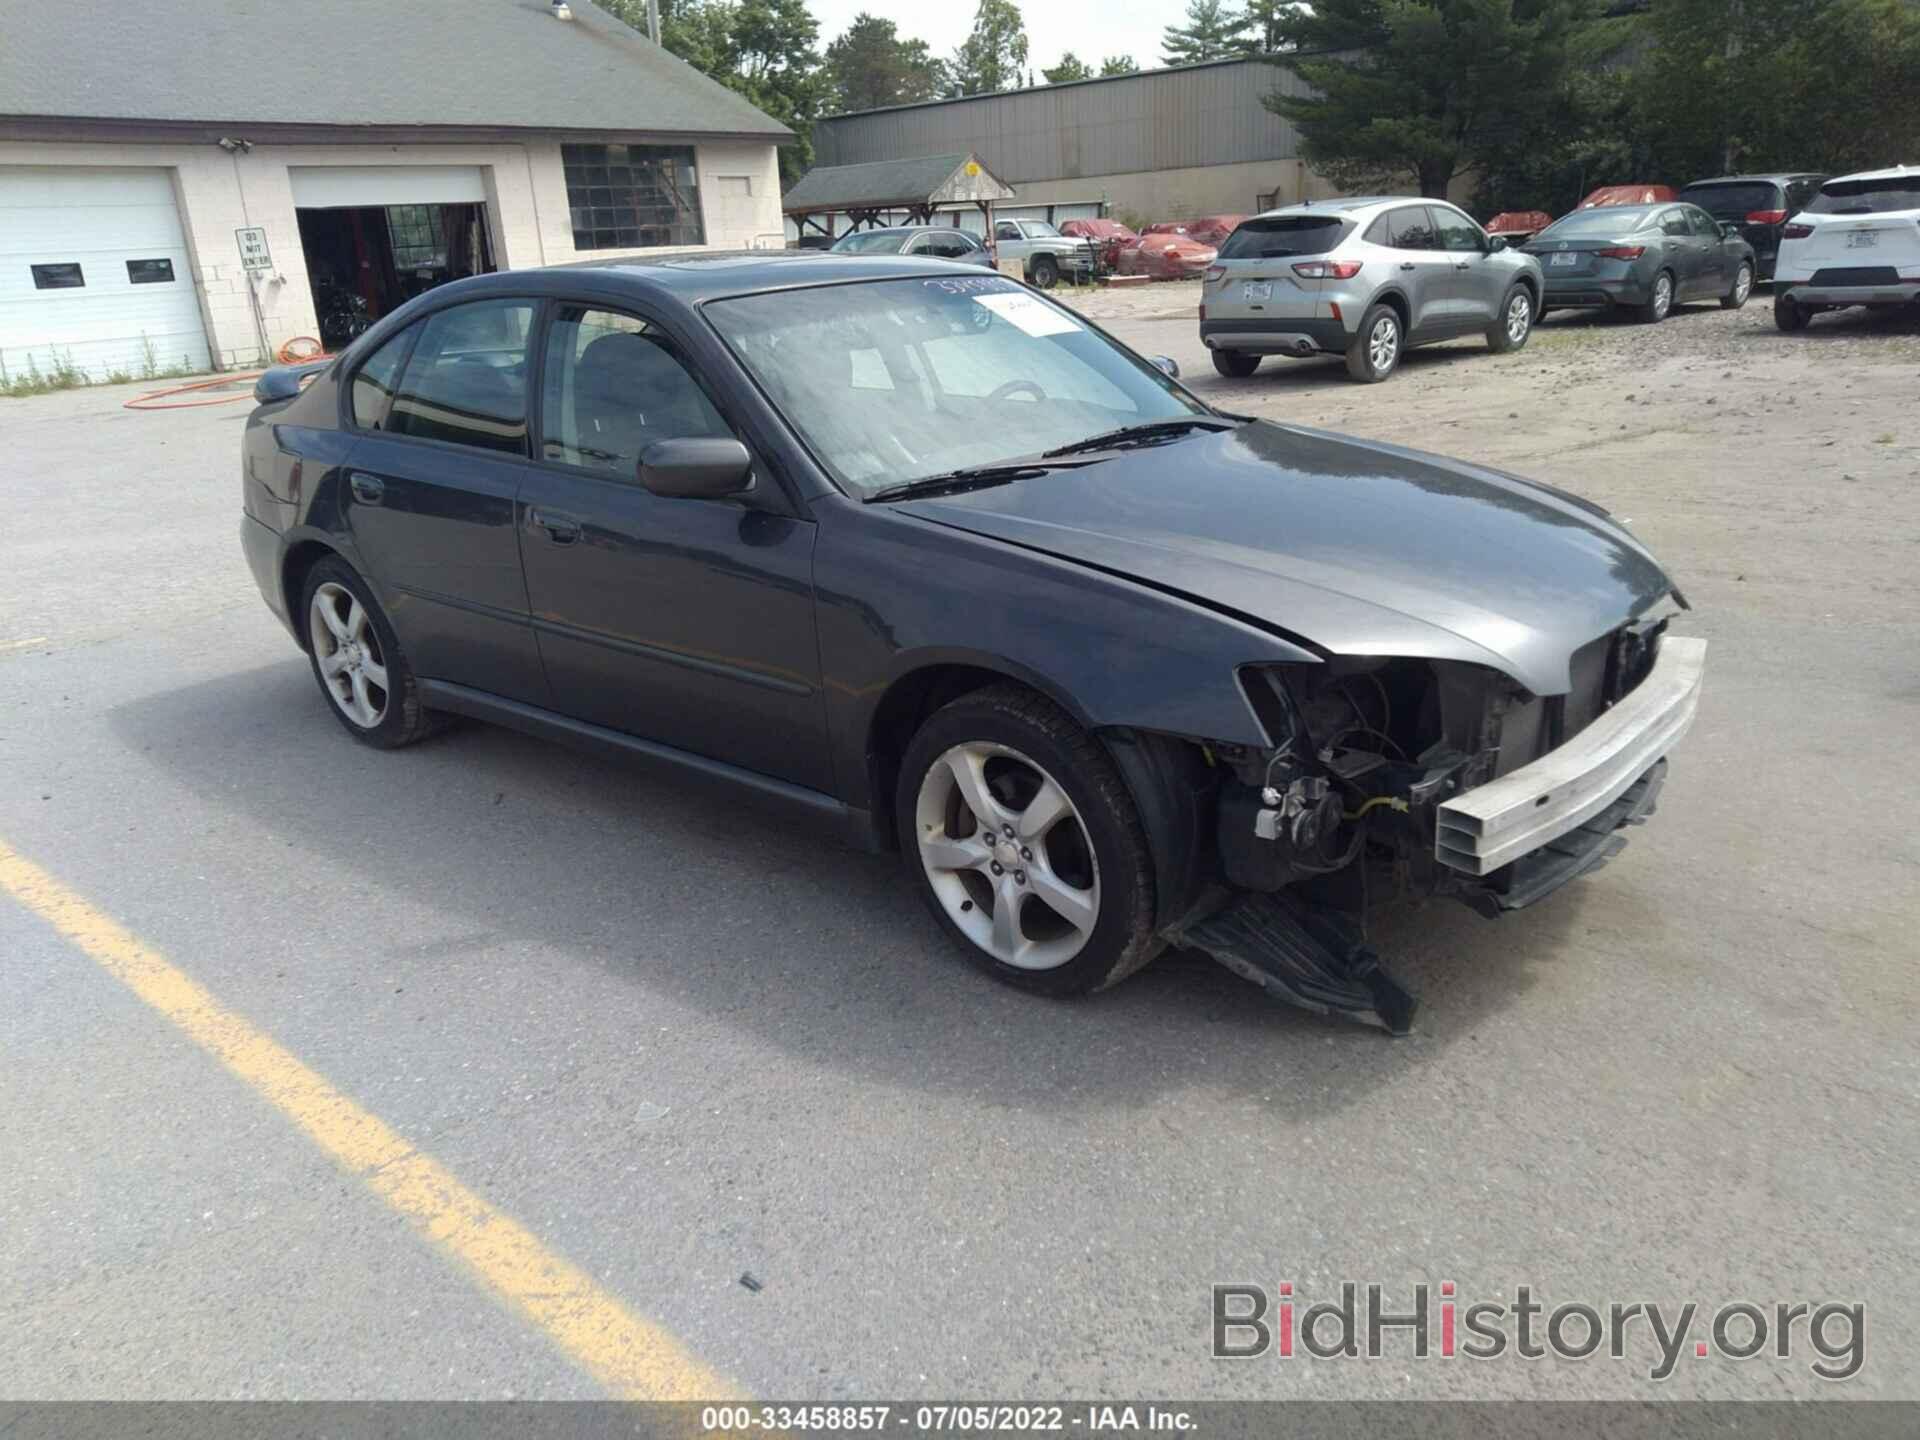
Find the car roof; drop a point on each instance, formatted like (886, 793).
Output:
(896, 230)
(1892, 172)
(1773, 176)
(1639, 207)
(1347, 204)
(700, 275)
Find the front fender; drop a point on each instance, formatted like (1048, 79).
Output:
(897, 595)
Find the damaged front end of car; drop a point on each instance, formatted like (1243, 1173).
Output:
(1415, 778)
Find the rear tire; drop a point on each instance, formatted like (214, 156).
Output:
(1742, 288)
(357, 660)
(1046, 272)
(1789, 315)
(1375, 351)
(1659, 300)
(1062, 906)
(1235, 364)
(1513, 323)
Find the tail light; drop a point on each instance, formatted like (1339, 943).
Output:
(1796, 232)
(1766, 217)
(1216, 272)
(1203, 309)
(1327, 269)
(1622, 252)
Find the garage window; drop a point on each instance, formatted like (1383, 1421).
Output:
(632, 197)
(150, 272)
(58, 277)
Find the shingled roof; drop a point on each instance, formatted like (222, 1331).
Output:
(894, 184)
(361, 64)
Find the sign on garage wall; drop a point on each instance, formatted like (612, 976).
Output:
(253, 247)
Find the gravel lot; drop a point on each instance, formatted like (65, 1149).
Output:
(679, 1043)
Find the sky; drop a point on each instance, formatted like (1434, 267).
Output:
(1092, 29)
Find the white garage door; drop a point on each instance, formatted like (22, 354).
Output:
(94, 274)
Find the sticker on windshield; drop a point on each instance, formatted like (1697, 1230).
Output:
(1030, 314)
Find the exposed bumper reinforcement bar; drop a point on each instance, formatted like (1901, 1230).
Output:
(1500, 822)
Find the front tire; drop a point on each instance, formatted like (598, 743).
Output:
(1375, 351)
(1659, 300)
(1742, 288)
(1789, 315)
(1235, 364)
(1514, 323)
(357, 660)
(1024, 841)
(1046, 272)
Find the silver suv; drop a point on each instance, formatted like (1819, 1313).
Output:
(1367, 278)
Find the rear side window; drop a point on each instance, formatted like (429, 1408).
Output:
(1867, 197)
(1735, 202)
(466, 382)
(375, 381)
(1270, 238)
(1409, 228)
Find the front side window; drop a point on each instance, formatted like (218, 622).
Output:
(632, 197)
(1704, 224)
(374, 382)
(614, 385)
(950, 245)
(1674, 222)
(466, 382)
(895, 380)
(1457, 232)
(1006, 230)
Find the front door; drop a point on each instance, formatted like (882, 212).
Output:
(687, 622)
(1478, 283)
(1685, 252)
(440, 415)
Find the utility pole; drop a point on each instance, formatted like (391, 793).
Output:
(653, 21)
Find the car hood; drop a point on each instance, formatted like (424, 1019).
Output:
(1355, 547)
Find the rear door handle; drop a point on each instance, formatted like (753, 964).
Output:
(1459, 264)
(561, 529)
(367, 489)
(1406, 265)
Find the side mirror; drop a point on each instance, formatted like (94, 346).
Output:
(1166, 365)
(696, 468)
(283, 382)
(1496, 242)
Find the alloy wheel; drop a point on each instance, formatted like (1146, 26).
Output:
(1007, 855)
(1742, 285)
(1519, 317)
(1662, 294)
(1383, 342)
(347, 650)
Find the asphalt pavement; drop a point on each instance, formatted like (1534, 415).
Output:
(682, 1042)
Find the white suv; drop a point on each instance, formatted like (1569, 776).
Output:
(1856, 243)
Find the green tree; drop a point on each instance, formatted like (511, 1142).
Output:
(869, 65)
(1212, 32)
(1118, 65)
(994, 55)
(1071, 67)
(1265, 21)
(1427, 88)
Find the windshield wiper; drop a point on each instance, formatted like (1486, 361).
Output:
(1140, 434)
(972, 477)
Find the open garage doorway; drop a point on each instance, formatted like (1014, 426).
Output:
(376, 236)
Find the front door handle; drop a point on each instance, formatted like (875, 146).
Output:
(367, 489)
(561, 529)
(1459, 264)
(1406, 265)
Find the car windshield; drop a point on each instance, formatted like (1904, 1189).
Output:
(1735, 202)
(1266, 237)
(895, 380)
(1867, 197)
(1596, 224)
(868, 242)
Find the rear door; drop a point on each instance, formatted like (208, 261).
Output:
(688, 622)
(1867, 231)
(1253, 278)
(440, 414)
(1422, 270)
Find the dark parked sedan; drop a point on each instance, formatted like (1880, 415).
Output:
(923, 555)
(1761, 205)
(924, 240)
(1646, 258)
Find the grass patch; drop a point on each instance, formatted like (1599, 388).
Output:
(62, 374)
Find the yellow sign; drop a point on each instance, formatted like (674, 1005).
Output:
(973, 167)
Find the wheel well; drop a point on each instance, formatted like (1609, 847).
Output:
(1533, 290)
(293, 580)
(1397, 303)
(900, 714)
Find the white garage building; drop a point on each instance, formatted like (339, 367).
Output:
(357, 150)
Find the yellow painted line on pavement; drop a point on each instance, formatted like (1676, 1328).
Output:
(632, 1357)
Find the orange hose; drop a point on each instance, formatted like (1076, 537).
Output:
(147, 401)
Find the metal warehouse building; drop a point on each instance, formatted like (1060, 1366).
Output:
(1160, 144)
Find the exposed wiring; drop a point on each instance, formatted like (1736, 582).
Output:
(1368, 730)
(1392, 802)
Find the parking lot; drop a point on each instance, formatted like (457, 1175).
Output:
(673, 1042)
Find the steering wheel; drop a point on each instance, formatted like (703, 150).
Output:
(1014, 387)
